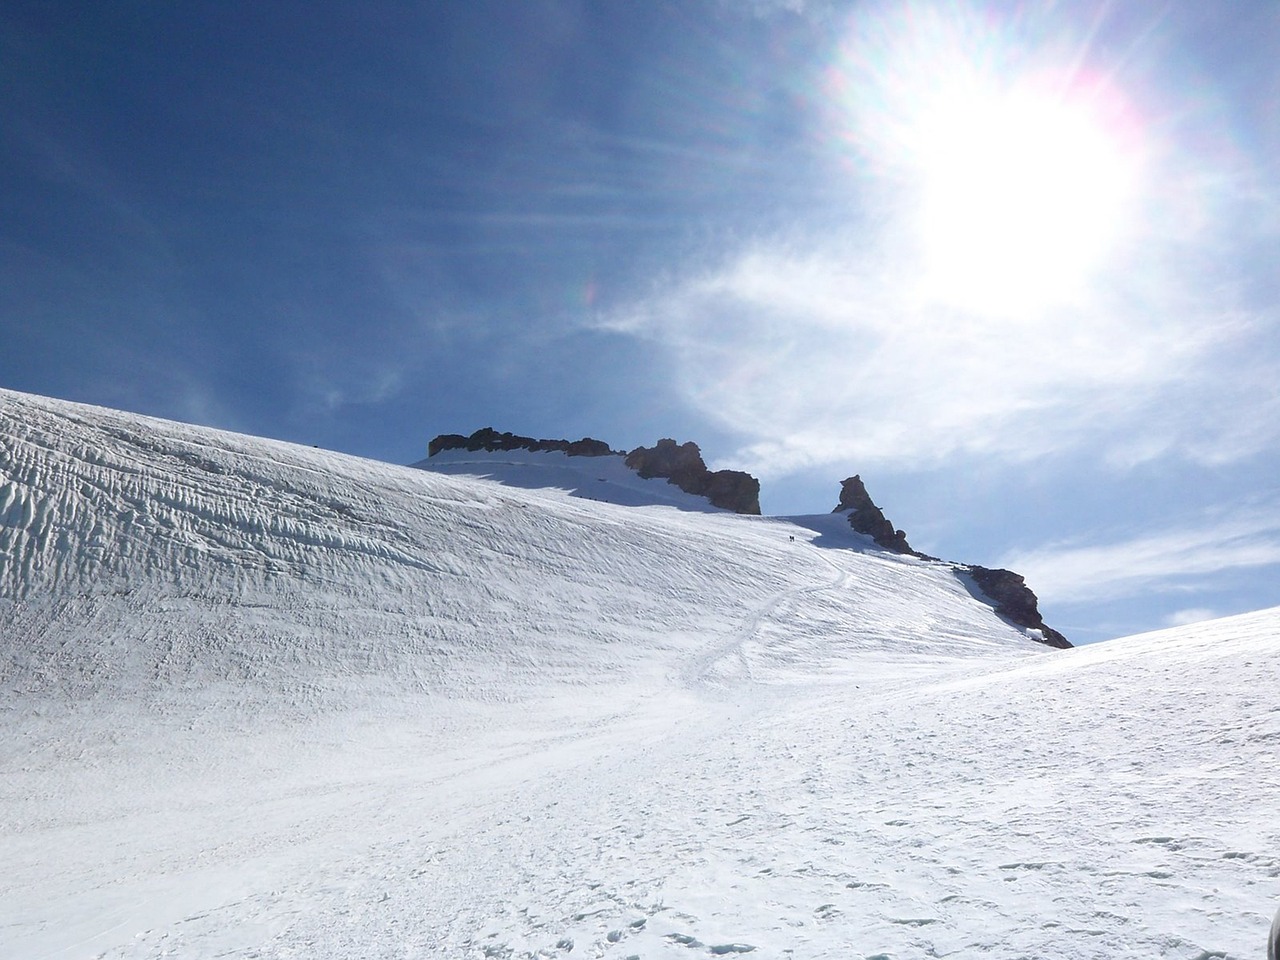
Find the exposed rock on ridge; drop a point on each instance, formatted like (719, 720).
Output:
(1007, 591)
(865, 517)
(487, 438)
(682, 464)
(1014, 601)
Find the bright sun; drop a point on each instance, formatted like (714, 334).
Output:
(1021, 198)
(1016, 182)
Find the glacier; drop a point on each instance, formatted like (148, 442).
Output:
(265, 700)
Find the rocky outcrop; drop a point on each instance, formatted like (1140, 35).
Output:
(866, 518)
(1014, 601)
(682, 465)
(1005, 590)
(489, 439)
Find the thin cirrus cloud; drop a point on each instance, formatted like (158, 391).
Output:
(825, 355)
(980, 301)
(1182, 618)
(1169, 560)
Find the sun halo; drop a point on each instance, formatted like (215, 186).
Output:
(1021, 198)
(1016, 179)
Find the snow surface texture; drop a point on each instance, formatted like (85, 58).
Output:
(261, 700)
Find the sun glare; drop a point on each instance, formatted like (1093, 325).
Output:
(1014, 177)
(1021, 196)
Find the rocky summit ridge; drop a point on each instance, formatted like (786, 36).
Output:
(681, 464)
(1006, 590)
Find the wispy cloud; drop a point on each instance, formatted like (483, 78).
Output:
(834, 345)
(1181, 618)
(1175, 559)
(826, 354)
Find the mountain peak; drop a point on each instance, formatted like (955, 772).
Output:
(301, 654)
(1003, 589)
(680, 464)
(865, 517)
(487, 438)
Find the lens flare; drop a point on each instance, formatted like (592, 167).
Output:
(1014, 173)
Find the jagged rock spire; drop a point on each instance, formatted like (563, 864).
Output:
(682, 464)
(865, 517)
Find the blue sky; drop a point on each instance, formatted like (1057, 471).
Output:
(1014, 263)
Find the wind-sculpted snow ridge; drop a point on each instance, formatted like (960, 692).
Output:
(262, 700)
(142, 555)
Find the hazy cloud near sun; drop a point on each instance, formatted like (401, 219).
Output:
(826, 353)
(1028, 268)
(1182, 618)
(1173, 559)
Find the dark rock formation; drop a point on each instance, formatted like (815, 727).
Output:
(1014, 601)
(1003, 589)
(865, 517)
(682, 465)
(486, 438)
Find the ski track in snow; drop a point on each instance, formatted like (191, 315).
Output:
(266, 701)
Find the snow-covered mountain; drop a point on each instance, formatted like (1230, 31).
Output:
(262, 700)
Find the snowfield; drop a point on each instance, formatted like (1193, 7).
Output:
(262, 700)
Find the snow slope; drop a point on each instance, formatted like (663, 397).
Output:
(262, 700)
